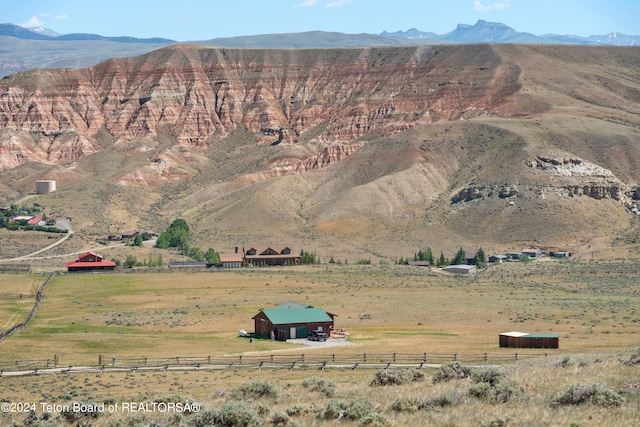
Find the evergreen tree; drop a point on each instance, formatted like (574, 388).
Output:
(480, 259)
(442, 261)
(460, 257)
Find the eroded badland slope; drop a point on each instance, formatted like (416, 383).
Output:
(356, 153)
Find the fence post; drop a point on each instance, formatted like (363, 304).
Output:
(241, 359)
(333, 358)
(394, 357)
(145, 361)
(209, 360)
(272, 358)
(424, 357)
(485, 357)
(99, 360)
(516, 358)
(364, 357)
(455, 356)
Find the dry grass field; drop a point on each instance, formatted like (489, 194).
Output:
(594, 306)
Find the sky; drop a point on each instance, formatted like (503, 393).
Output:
(197, 20)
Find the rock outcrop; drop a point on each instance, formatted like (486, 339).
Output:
(328, 97)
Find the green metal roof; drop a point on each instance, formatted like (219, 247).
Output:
(297, 315)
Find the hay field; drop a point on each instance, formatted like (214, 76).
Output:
(386, 309)
(595, 307)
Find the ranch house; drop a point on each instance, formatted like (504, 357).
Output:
(271, 255)
(90, 261)
(292, 320)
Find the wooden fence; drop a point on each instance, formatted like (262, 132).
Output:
(308, 360)
(21, 326)
(268, 361)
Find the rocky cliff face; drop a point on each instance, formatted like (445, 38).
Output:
(327, 97)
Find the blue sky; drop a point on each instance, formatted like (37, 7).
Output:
(193, 20)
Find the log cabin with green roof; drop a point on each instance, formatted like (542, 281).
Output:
(292, 320)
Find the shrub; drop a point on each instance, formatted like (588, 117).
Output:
(607, 398)
(490, 385)
(301, 409)
(577, 394)
(397, 376)
(374, 419)
(481, 391)
(204, 419)
(452, 371)
(487, 375)
(256, 389)
(281, 419)
(407, 404)
(321, 385)
(634, 359)
(358, 409)
(233, 414)
(442, 401)
(506, 390)
(334, 409)
(565, 362)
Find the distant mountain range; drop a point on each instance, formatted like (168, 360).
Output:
(495, 32)
(40, 33)
(28, 48)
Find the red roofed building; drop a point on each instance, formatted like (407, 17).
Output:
(35, 220)
(90, 261)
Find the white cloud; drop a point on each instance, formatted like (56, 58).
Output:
(494, 6)
(338, 3)
(62, 16)
(33, 22)
(307, 3)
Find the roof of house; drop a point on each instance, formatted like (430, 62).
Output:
(278, 249)
(514, 334)
(419, 263)
(528, 335)
(459, 267)
(91, 264)
(35, 220)
(231, 258)
(297, 315)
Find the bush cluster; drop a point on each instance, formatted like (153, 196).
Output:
(321, 385)
(491, 385)
(578, 394)
(357, 410)
(231, 414)
(452, 371)
(255, 390)
(413, 404)
(397, 376)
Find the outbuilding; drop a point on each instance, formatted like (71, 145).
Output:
(292, 320)
(460, 269)
(231, 260)
(496, 259)
(527, 340)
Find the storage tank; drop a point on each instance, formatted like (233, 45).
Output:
(45, 186)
